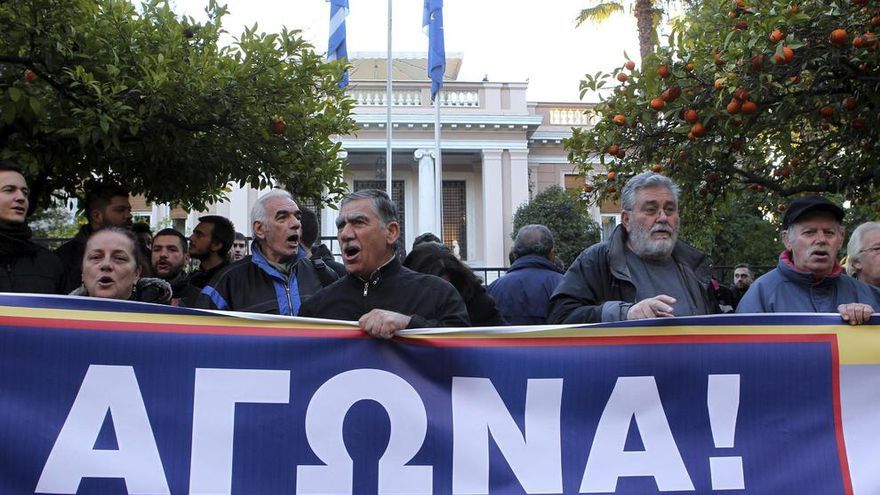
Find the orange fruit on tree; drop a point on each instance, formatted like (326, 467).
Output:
(859, 42)
(839, 36)
(30, 76)
(741, 94)
(734, 106)
(690, 66)
(658, 104)
(776, 36)
(613, 150)
(690, 116)
(656, 168)
(630, 65)
(619, 119)
(691, 136)
(698, 130)
(671, 93)
(788, 53)
(749, 107)
(793, 8)
(826, 111)
(850, 103)
(719, 83)
(612, 175)
(663, 71)
(622, 77)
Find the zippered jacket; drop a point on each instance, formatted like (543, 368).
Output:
(429, 301)
(253, 285)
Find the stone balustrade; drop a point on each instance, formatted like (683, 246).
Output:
(415, 98)
(572, 117)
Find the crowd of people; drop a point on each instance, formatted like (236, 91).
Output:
(641, 271)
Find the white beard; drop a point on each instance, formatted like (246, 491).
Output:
(644, 246)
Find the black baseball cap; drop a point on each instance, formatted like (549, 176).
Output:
(801, 206)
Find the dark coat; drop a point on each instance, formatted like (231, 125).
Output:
(600, 275)
(71, 255)
(255, 286)
(430, 301)
(28, 267)
(523, 293)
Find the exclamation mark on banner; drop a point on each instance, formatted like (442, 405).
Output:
(723, 402)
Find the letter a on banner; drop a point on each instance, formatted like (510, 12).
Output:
(635, 396)
(73, 457)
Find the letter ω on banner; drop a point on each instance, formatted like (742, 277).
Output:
(324, 421)
(635, 396)
(534, 457)
(73, 457)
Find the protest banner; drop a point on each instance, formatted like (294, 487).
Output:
(101, 396)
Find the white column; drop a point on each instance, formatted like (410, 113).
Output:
(427, 192)
(519, 179)
(239, 209)
(493, 209)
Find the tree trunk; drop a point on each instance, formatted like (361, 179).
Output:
(644, 11)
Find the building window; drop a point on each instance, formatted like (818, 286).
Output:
(397, 197)
(455, 215)
(609, 221)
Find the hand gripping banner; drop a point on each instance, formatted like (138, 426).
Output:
(100, 396)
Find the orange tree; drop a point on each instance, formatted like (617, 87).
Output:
(757, 100)
(158, 103)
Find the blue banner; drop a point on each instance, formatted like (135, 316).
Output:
(111, 397)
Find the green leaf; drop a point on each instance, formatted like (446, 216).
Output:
(15, 94)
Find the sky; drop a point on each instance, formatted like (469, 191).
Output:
(506, 40)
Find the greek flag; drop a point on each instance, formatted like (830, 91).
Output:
(432, 24)
(336, 49)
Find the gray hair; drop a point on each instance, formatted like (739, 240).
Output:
(258, 211)
(643, 180)
(857, 244)
(533, 239)
(385, 208)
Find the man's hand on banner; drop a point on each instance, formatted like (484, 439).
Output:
(855, 313)
(652, 308)
(382, 323)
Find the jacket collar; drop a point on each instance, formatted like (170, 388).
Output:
(533, 261)
(390, 266)
(261, 261)
(787, 267)
(682, 253)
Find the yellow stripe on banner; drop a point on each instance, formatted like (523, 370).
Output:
(207, 319)
(856, 344)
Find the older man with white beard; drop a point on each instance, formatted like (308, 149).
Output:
(642, 270)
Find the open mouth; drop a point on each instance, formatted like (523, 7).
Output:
(293, 238)
(821, 254)
(350, 252)
(105, 281)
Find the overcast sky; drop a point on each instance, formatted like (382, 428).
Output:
(506, 40)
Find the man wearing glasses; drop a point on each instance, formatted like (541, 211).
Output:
(808, 277)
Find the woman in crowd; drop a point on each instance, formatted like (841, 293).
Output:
(24, 266)
(111, 269)
(436, 259)
(863, 253)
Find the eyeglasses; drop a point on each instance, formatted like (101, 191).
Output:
(872, 250)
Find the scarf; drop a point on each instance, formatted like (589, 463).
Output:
(15, 239)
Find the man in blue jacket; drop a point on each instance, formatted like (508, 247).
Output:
(278, 276)
(808, 277)
(523, 293)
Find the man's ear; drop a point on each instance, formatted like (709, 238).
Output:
(258, 230)
(785, 241)
(96, 217)
(624, 219)
(393, 232)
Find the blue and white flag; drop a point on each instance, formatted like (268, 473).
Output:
(336, 49)
(432, 24)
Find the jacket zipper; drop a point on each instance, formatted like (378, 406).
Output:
(289, 301)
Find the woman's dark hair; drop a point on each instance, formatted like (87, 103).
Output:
(139, 256)
(437, 259)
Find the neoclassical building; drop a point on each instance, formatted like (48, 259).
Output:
(498, 151)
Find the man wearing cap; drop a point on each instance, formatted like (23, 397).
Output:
(808, 277)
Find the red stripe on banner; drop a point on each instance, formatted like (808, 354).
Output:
(629, 339)
(838, 417)
(155, 327)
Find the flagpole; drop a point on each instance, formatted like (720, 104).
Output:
(388, 95)
(438, 170)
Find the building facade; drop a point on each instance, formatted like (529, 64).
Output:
(498, 151)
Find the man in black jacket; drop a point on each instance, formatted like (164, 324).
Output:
(105, 205)
(378, 292)
(643, 270)
(25, 266)
(278, 276)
